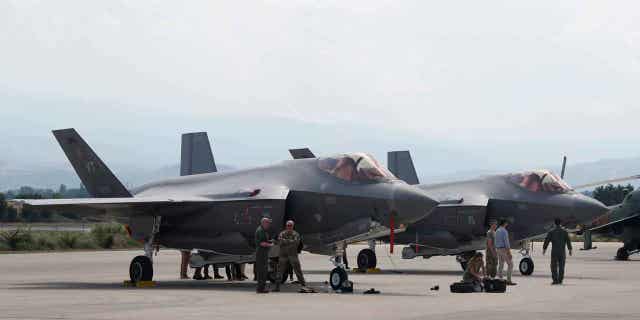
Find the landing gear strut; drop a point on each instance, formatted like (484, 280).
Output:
(367, 257)
(526, 263)
(338, 278)
(141, 267)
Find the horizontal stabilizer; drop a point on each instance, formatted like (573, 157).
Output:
(94, 174)
(302, 153)
(196, 156)
(401, 165)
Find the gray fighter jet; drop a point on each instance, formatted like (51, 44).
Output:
(529, 200)
(334, 200)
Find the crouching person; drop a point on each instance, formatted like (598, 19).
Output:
(475, 272)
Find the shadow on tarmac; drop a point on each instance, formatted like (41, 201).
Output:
(248, 286)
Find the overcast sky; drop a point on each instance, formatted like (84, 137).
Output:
(491, 83)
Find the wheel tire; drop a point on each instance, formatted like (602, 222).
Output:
(141, 269)
(367, 259)
(622, 254)
(337, 277)
(526, 266)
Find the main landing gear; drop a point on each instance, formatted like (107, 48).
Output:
(141, 267)
(367, 257)
(526, 263)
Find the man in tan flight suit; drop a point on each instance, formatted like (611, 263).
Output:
(289, 240)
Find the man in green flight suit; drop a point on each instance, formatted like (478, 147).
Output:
(289, 241)
(559, 238)
(263, 244)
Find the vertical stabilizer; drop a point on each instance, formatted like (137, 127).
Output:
(94, 174)
(196, 156)
(401, 165)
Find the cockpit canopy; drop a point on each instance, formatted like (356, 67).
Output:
(540, 181)
(355, 167)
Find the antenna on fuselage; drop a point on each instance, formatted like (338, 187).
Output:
(564, 165)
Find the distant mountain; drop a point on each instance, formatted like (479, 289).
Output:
(52, 176)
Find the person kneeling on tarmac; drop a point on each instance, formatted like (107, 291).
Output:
(289, 240)
(475, 272)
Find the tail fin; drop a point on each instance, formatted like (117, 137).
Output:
(302, 153)
(95, 175)
(401, 165)
(196, 157)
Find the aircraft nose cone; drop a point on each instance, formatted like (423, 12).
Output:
(411, 204)
(588, 208)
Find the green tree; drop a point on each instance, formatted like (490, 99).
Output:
(610, 194)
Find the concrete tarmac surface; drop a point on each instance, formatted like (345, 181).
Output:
(88, 285)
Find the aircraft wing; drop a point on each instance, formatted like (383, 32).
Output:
(598, 183)
(146, 206)
(608, 226)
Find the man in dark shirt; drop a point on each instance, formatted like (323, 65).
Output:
(559, 238)
(263, 244)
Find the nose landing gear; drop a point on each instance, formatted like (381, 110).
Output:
(526, 263)
(338, 278)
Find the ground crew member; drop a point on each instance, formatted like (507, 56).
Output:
(475, 272)
(559, 238)
(491, 252)
(289, 240)
(184, 263)
(504, 251)
(263, 243)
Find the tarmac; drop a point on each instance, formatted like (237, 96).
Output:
(89, 285)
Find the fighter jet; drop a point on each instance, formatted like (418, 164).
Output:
(621, 222)
(457, 227)
(334, 200)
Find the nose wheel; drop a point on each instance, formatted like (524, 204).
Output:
(526, 266)
(338, 279)
(526, 263)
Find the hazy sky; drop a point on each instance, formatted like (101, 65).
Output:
(491, 83)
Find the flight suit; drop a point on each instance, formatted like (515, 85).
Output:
(262, 258)
(559, 238)
(476, 265)
(289, 240)
(492, 255)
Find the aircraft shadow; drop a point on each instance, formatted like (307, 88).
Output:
(248, 286)
(398, 272)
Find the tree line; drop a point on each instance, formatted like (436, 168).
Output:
(12, 214)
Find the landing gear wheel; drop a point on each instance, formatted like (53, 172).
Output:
(337, 278)
(622, 254)
(367, 259)
(526, 266)
(141, 269)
